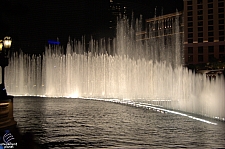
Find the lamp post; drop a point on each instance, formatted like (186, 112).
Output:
(4, 45)
(7, 121)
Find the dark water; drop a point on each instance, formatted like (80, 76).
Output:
(79, 123)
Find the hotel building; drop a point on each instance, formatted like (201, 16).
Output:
(203, 31)
(164, 25)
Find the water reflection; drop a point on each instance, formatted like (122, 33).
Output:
(68, 123)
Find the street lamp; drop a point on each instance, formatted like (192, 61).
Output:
(4, 45)
(6, 101)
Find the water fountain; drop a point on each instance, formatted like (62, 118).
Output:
(149, 71)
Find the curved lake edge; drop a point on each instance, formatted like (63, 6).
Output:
(142, 104)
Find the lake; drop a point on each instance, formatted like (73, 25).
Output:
(82, 123)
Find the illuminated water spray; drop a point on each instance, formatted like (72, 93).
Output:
(138, 65)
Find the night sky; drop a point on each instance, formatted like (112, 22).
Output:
(31, 23)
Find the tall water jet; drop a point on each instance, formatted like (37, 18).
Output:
(147, 70)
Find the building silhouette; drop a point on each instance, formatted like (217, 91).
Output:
(202, 25)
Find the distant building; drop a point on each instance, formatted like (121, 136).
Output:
(202, 24)
(116, 9)
(163, 26)
(120, 8)
(203, 31)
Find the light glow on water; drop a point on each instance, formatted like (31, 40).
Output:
(158, 109)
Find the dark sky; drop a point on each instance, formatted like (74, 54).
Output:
(33, 22)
